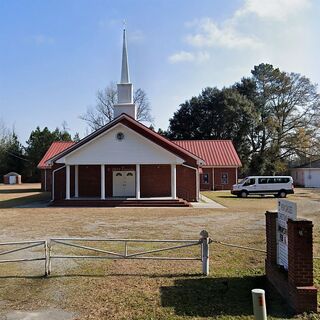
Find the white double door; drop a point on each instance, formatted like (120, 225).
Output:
(124, 184)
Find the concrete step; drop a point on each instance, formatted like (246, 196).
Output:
(121, 203)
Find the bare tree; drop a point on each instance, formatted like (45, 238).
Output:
(102, 112)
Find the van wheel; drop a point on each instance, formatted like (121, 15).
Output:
(282, 194)
(244, 194)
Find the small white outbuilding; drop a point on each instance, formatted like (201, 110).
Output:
(12, 178)
(307, 175)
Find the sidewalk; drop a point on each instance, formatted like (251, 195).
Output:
(205, 202)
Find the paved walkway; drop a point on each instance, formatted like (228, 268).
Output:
(205, 202)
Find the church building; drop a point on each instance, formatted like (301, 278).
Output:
(125, 163)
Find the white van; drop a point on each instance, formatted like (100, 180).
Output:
(279, 186)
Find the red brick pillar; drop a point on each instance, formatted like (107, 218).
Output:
(300, 266)
(271, 237)
(300, 259)
(296, 284)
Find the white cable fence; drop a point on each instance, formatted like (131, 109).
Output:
(53, 250)
(24, 246)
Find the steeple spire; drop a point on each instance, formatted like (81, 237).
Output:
(125, 78)
(125, 90)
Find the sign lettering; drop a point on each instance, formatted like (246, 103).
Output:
(286, 210)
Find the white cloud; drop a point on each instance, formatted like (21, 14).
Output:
(209, 34)
(259, 27)
(273, 9)
(41, 39)
(185, 56)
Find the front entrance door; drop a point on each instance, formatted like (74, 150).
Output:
(124, 184)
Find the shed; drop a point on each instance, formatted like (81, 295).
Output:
(12, 178)
(307, 175)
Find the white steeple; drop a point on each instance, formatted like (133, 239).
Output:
(125, 78)
(125, 91)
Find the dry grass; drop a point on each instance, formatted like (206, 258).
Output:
(137, 289)
(15, 195)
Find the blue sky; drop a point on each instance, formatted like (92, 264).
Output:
(55, 55)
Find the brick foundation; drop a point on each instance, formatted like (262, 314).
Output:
(296, 284)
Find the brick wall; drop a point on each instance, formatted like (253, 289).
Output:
(186, 183)
(48, 177)
(296, 284)
(59, 183)
(218, 172)
(155, 181)
(206, 186)
(89, 181)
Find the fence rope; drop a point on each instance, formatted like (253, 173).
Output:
(243, 247)
(237, 246)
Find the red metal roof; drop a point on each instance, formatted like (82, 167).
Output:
(218, 153)
(55, 149)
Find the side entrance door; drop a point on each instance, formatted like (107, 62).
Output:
(12, 179)
(124, 184)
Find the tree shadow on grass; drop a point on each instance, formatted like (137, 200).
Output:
(8, 191)
(42, 198)
(209, 297)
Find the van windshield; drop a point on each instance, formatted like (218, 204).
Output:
(243, 180)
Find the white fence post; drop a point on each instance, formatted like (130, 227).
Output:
(46, 258)
(49, 257)
(259, 304)
(204, 238)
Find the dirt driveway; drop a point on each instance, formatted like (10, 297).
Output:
(141, 289)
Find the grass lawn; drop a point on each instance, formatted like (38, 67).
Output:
(141, 289)
(23, 194)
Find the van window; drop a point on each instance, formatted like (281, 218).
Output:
(250, 182)
(273, 180)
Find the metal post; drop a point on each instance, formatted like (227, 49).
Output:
(46, 258)
(205, 240)
(125, 248)
(259, 304)
(49, 257)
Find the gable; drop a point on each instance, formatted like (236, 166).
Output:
(107, 149)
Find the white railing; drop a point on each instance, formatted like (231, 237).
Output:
(25, 246)
(53, 245)
(203, 242)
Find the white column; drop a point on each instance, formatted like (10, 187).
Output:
(45, 179)
(236, 175)
(173, 181)
(103, 182)
(76, 181)
(67, 182)
(138, 181)
(197, 185)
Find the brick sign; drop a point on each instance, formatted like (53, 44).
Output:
(286, 210)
